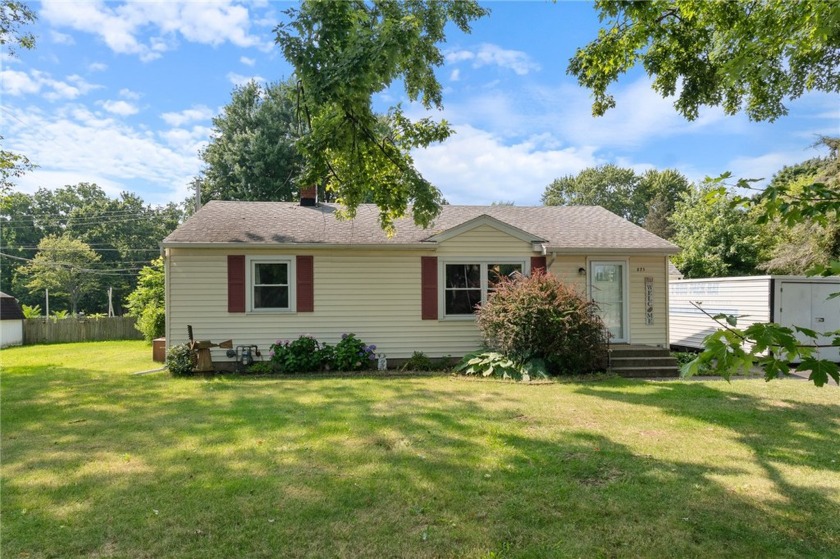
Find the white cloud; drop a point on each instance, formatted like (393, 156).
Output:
(247, 61)
(72, 144)
(124, 27)
(193, 114)
(97, 67)
(15, 83)
(476, 167)
(493, 55)
(239, 79)
(455, 75)
(61, 38)
(122, 108)
(126, 93)
(18, 83)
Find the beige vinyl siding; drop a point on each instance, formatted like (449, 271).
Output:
(655, 267)
(747, 298)
(485, 241)
(375, 295)
(566, 269)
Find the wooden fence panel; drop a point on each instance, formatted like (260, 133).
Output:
(65, 330)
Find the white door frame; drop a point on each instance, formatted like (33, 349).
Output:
(625, 293)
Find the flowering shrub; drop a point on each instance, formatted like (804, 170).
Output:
(296, 356)
(351, 354)
(540, 317)
(306, 354)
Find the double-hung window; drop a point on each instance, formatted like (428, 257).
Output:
(271, 284)
(468, 283)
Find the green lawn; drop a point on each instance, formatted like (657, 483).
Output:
(99, 463)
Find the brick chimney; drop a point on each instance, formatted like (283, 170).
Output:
(309, 196)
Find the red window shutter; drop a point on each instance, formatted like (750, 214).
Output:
(305, 284)
(429, 287)
(236, 282)
(537, 264)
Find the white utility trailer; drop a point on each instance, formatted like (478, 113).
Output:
(786, 300)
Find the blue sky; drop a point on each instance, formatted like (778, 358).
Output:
(122, 94)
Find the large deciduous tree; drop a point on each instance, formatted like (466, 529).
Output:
(64, 266)
(740, 55)
(810, 243)
(124, 232)
(608, 186)
(252, 153)
(14, 16)
(344, 53)
(647, 200)
(716, 238)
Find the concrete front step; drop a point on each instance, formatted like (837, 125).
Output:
(647, 372)
(638, 351)
(642, 361)
(629, 362)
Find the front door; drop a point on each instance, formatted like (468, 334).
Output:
(608, 288)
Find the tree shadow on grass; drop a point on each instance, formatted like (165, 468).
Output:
(347, 467)
(784, 436)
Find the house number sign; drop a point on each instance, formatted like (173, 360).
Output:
(648, 301)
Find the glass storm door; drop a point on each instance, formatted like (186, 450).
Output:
(608, 290)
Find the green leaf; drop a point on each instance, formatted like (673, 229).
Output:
(807, 331)
(821, 370)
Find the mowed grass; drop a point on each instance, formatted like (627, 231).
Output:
(99, 463)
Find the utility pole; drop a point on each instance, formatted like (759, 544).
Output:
(48, 302)
(110, 302)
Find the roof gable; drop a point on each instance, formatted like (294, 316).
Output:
(480, 221)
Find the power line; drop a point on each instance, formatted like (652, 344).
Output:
(91, 246)
(119, 272)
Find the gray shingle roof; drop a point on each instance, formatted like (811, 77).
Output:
(268, 223)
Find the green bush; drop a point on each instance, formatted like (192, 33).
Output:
(492, 363)
(31, 312)
(146, 302)
(418, 362)
(352, 354)
(540, 317)
(297, 356)
(306, 355)
(152, 322)
(180, 360)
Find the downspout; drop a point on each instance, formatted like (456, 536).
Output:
(549, 263)
(166, 306)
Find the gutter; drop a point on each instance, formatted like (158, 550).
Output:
(623, 251)
(427, 245)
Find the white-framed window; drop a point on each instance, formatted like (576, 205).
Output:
(467, 282)
(271, 283)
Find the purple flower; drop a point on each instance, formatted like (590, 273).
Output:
(372, 347)
(344, 336)
(271, 354)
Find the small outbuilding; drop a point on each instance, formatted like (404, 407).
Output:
(786, 300)
(11, 321)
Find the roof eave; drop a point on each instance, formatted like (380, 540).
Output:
(425, 245)
(665, 251)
